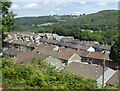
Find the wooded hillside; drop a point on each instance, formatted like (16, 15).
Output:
(101, 26)
(100, 21)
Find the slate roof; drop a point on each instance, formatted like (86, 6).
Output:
(66, 39)
(62, 54)
(24, 57)
(12, 51)
(50, 41)
(114, 80)
(105, 47)
(82, 43)
(107, 74)
(96, 46)
(75, 41)
(102, 47)
(98, 55)
(53, 41)
(41, 56)
(48, 50)
(85, 70)
(43, 40)
(68, 45)
(89, 45)
(83, 47)
(32, 44)
(82, 53)
(44, 49)
(61, 43)
(20, 42)
(70, 50)
(27, 56)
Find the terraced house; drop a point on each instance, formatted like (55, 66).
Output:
(64, 52)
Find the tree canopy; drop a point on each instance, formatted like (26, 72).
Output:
(115, 50)
(101, 21)
(101, 26)
(8, 19)
(39, 75)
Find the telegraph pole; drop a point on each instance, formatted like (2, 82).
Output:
(103, 70)
(103, 74)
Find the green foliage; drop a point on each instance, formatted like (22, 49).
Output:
(103, 24)
(111, 87)
(115, 50)
(7, 16)
(35, 21)
(41, 76)
(8, 19)
(110, 36)
(101, 21)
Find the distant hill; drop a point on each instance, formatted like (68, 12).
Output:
(101, 26)
(100, 21)
(30, 21)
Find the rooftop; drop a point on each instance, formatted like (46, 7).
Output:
(51, 41)
(105, 47)
(85, 70)
(114, 80)
(20, 42)
(43, 49)
(12, 51)
(32, 44)
(75, 41)
(82, 53)
(98, 55)
(62, 54)
(24, 57)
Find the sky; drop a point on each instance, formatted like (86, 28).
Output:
(62, 7)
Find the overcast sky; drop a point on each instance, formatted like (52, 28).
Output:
(51, 7)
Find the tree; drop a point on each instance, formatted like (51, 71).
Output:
(41, 75)
(115, 51)
(8, 19)
(115, 54)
